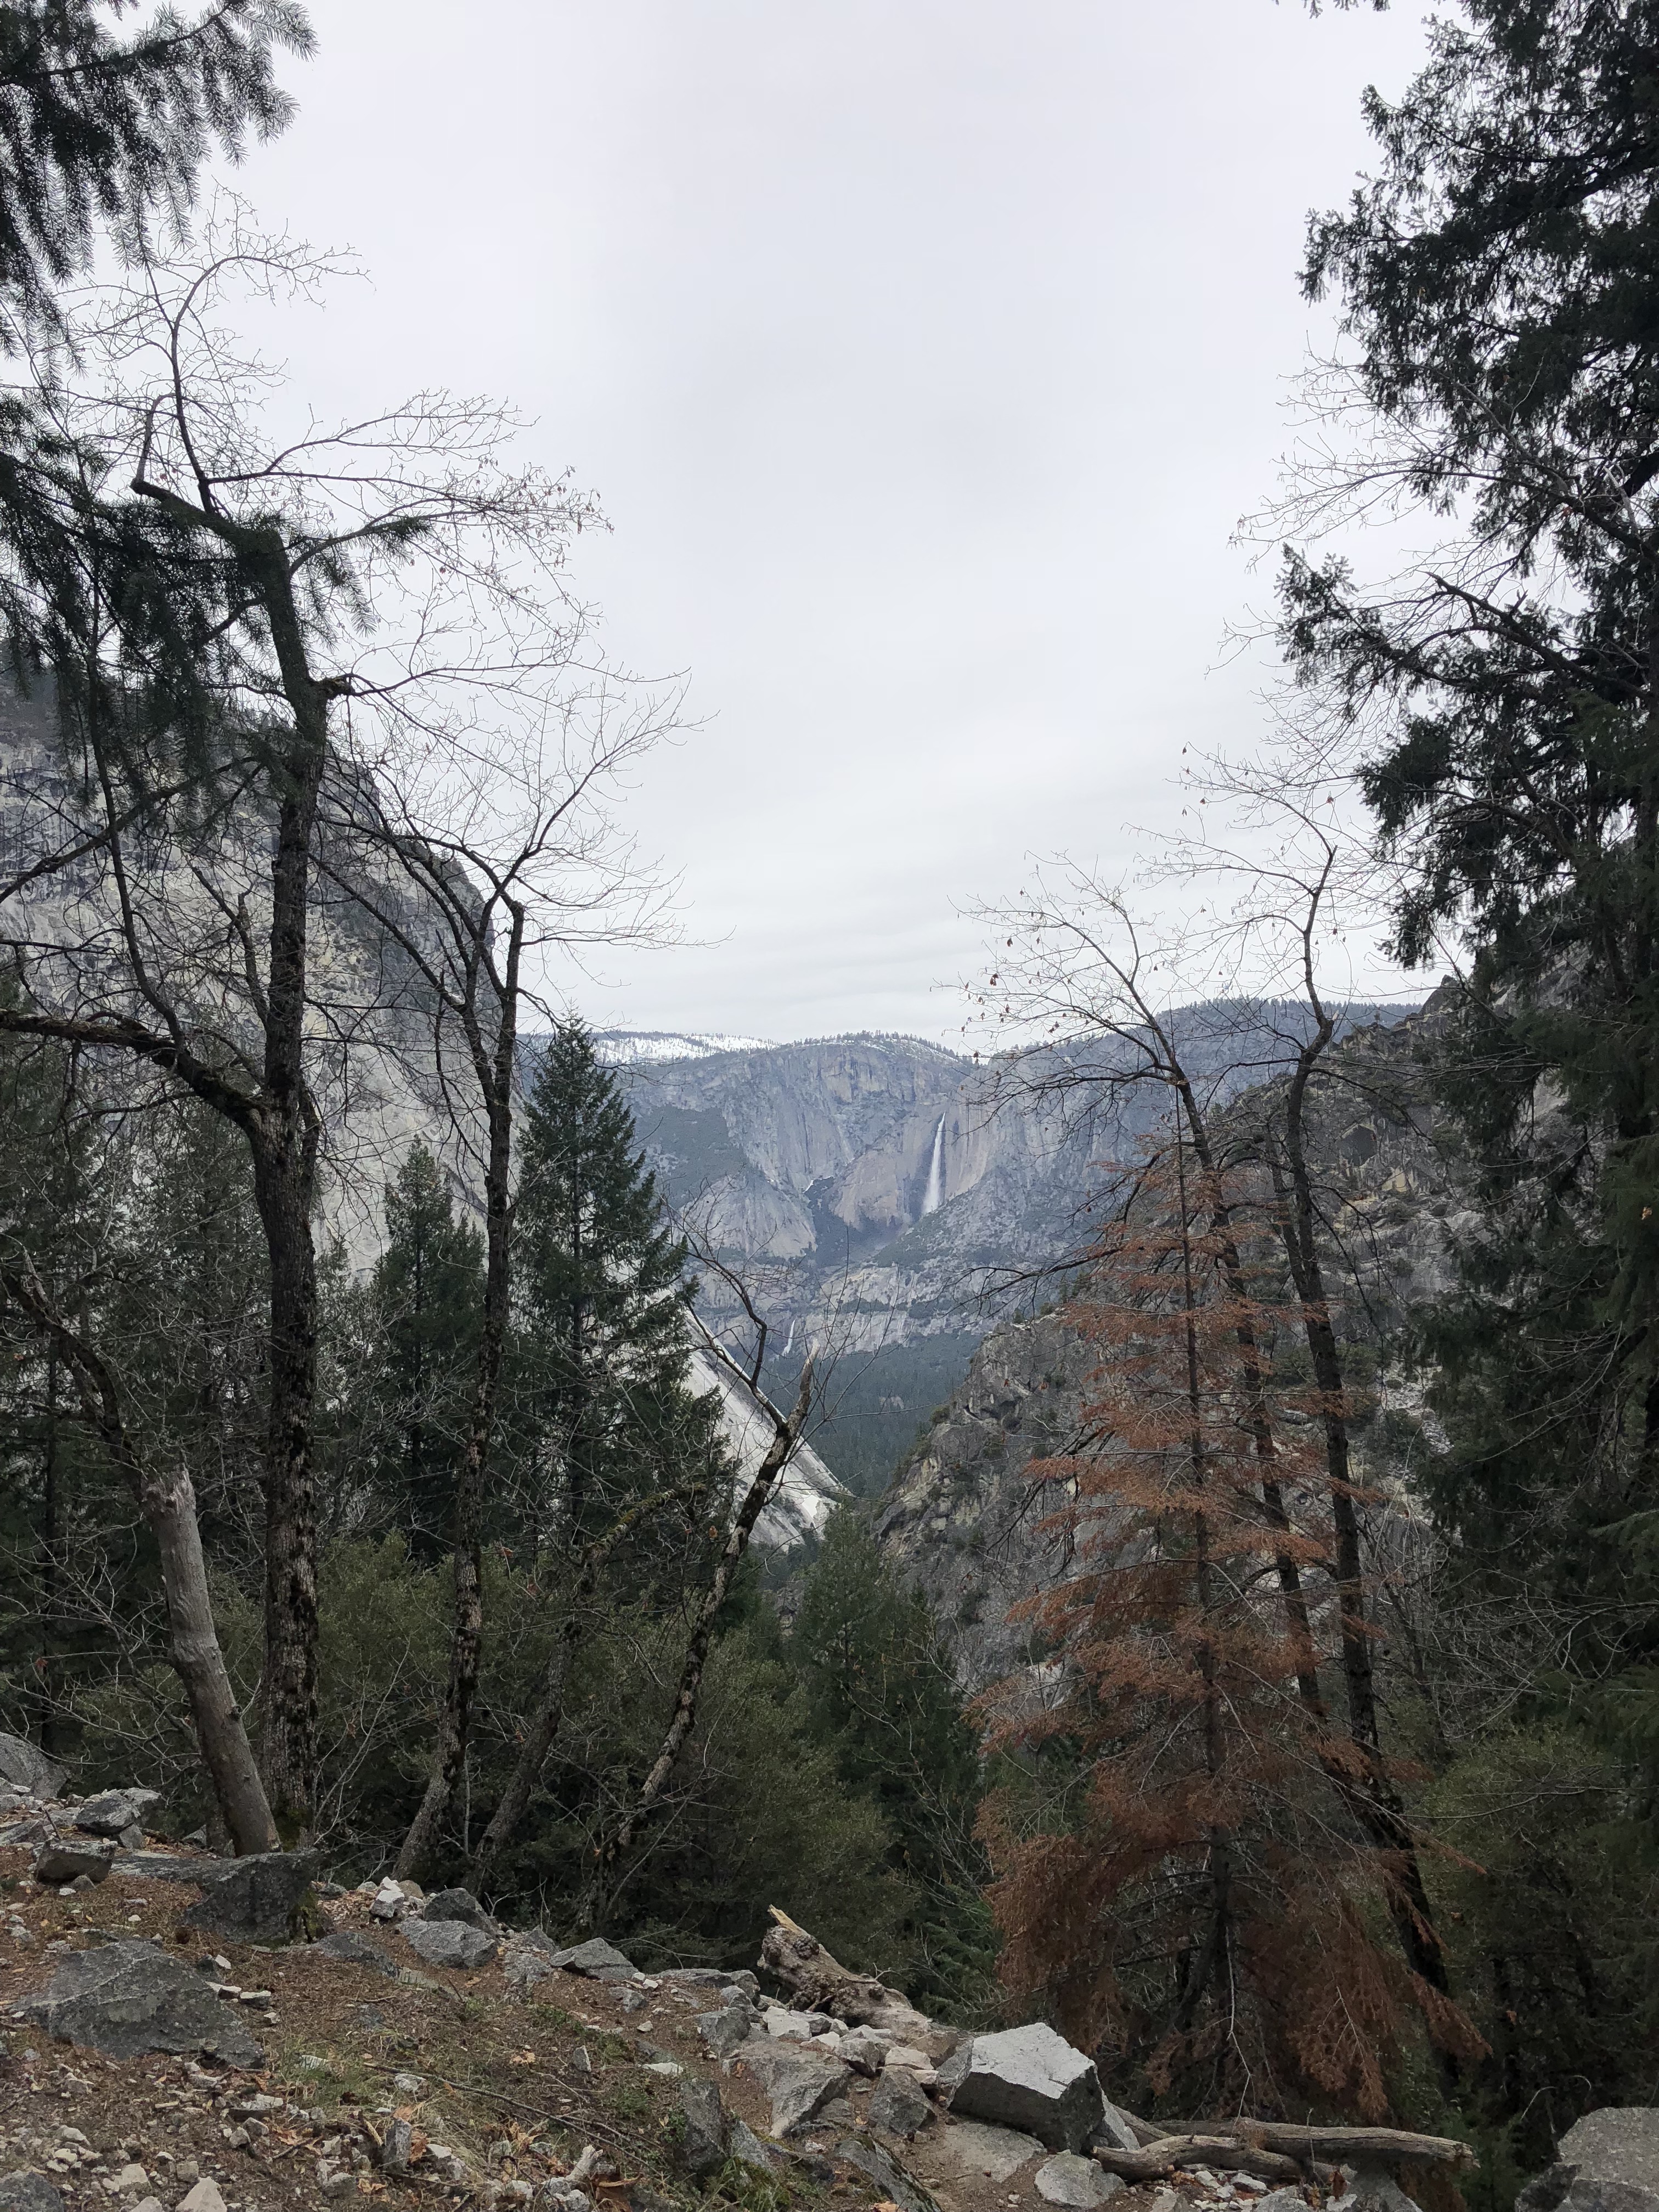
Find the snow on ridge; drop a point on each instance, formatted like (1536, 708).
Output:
(624, 1048)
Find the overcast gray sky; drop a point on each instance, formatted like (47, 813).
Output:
(923, 352)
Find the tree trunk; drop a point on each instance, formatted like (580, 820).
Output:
(606, 1877)
(493, 1064)
(168, 1505)
(1376, 1802)
(285, 1187)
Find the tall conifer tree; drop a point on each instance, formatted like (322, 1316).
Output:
(604, 1347)
(427, 1292)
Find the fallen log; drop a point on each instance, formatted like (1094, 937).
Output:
(1275, 2150)
(1156, 2160)
(1345, 2146)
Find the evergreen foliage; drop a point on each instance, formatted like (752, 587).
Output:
(881, 1692)
(426, 1296)
(602, 1364)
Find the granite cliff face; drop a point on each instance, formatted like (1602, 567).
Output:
(893, 1200)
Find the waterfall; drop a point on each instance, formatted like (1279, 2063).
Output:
(790, 1346)
(934, 1196)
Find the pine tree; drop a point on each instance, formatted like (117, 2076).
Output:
(1168, 1875)
(603, 1349)
(1497, 279)
(426, 1302)
(883, 1695)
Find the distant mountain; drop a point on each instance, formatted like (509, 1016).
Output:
(892, 1201)
(621, 1048)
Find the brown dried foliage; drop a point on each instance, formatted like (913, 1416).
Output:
(1180, 1876)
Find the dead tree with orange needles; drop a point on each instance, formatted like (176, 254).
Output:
(1169, 1873)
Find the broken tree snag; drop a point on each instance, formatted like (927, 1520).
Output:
(1348, 2146)
(815, 1981)
(818, 1983)
(1156, 2160)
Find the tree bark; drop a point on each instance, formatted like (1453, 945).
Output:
(493, 1061)
(1376, 1801)
(168, 1502)
(778, 1452)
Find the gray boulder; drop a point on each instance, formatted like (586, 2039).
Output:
(1078, 2183)
(1030, 2078)
(28, 2192)
(599, 1960)
(456, 1905)
(742, 2143)
(525, 1964)
(257, 1899)
(721, 2032)
(879, 2165)
(799, 2083)
(59, 1862)
(352, 1950)
(696, 1977)
(450, 1943)
(701, 2149)
(1620, 2142)
(124, 1999)
(1545, 2191)
(396, 2145)
(115, 1811)
(1372, 2189)
(28, 1768)
(1113, 2129)
(969, 2150)
(897, 2107)
(1608, 2161)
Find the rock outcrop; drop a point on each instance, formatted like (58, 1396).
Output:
(1028, 2078)
(124, 1999)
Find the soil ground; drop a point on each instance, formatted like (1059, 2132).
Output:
(511, 2086)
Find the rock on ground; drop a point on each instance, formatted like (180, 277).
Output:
(525, 1964)
(1618, 2144)
(601, 1962)
(743, 2143)
(115, 1811)
(1026, 2077)
(27, 1767)
(722, 2031)
(28, 2192)
(1608, 2161)
(354, 1950)
(971, 2150)
(1373, 2191)
(897, 2107)
(1068, 2180)
(449, 1942)
(126, 1998)
(800, 2084)
(1113, 2129)
(205, 2196)
(257, 1899)
(456, 1905)
(880, 2166)
(66, 1861)
(702, 2146)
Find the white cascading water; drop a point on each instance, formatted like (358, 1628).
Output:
(933, 1197)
